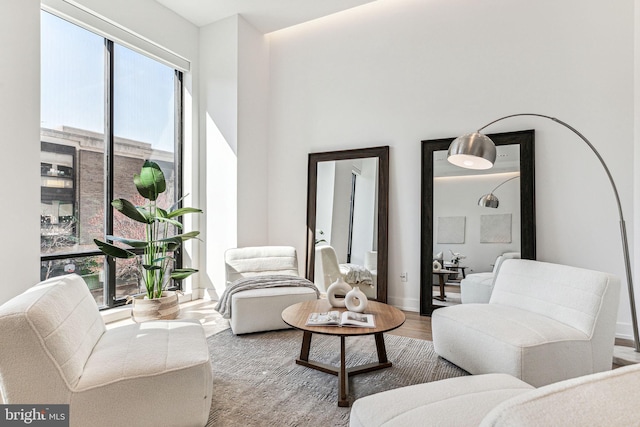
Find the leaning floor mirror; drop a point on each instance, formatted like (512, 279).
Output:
(470, 218)
(347, 219)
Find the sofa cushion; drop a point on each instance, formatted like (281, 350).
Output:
(144, 365)
(260, 261)
(55, 349)
(51, 330)
(496, 400)
(602, 399)
(544, 323)
(257, 310)
(454, 401)
(567, 294)
(476, 288)
(486, 338)
(144, 349)
(65, 317)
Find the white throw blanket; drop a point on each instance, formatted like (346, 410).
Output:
(356, 275)
(257, 282)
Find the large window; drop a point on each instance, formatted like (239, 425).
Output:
(105, 109)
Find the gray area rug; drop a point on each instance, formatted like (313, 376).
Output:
(256, 381)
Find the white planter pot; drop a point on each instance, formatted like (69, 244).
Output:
(163, 308)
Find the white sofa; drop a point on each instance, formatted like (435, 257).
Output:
(477, 287)
(604, 399)
(544, 323)
(257, 310)
(55, 349)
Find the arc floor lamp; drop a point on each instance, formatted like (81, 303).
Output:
(490, 200)
(477, 151)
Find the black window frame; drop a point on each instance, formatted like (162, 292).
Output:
(110, 299)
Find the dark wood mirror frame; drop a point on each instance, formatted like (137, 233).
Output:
(526, 141)
(382, 154)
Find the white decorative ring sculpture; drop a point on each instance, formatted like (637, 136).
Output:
(437, 266)
(356, 300)
(343, 288)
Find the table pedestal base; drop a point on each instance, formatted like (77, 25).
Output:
(342, 371)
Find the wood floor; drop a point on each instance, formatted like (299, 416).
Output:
(415, 326)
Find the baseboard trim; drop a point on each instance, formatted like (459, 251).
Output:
(406, 304)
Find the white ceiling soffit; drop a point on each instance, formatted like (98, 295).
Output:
(265, 15)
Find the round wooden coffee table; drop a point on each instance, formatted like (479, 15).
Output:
(387, 318)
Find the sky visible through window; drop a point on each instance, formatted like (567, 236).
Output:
(72, 82)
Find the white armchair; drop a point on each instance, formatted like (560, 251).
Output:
(260, 309)
(55, 349)
(327, 266)
(544, 323)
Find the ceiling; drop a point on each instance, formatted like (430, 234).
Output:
(265, 15)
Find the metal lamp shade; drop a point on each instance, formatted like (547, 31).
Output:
(489, 201)
(472, 151)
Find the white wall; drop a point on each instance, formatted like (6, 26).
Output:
(233, 134)
(253, 129)
(458, 196)
(20, 124)
(219, 139)
(399, 71)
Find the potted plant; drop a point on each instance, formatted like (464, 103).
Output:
(156, 264)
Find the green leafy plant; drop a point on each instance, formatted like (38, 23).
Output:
(159, 244)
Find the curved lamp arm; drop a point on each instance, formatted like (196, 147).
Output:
(504, 182)
(623, 227)
(489, 200)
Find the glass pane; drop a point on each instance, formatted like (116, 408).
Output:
(91, 269)
(144, 119)
(72, 147)
(128, 278)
